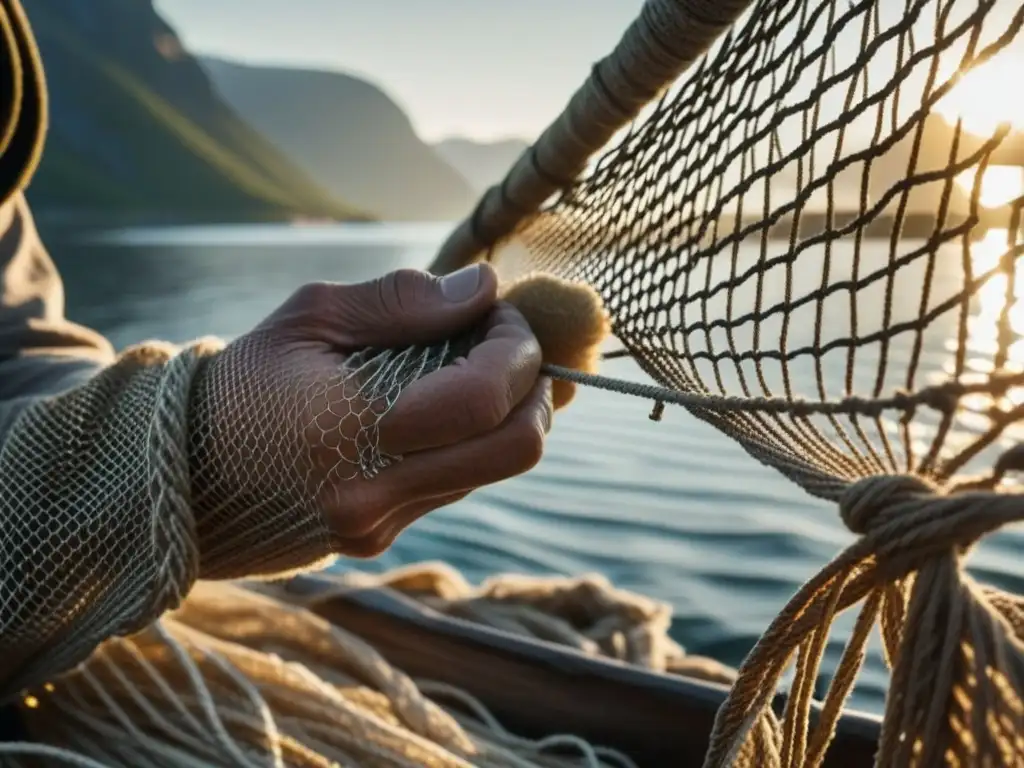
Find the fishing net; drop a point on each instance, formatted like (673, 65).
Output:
(234, 677)
(802, 238)
(811, 242)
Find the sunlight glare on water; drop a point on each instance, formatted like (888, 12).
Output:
(998, 322)
(1000, 184)
(979, 98)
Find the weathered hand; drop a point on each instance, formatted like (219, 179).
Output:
(276, 414)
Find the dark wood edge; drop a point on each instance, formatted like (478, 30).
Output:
(537, 688)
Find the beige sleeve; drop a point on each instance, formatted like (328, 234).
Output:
(103, 526)
(98, 532)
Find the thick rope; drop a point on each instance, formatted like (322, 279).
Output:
(943, 397)
(660, 45)
(586, 613)
(955, 648)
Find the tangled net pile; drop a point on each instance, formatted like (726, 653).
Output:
(795, 237)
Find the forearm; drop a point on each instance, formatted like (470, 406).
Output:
(100, 530)
(84, 553)
(114, 492)
(43, 356)
(104, 530)
(99, 537)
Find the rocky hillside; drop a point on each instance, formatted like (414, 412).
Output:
(348, 135)
(137, 129)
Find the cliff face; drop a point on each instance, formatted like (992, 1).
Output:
(348, 135)
(137, 128)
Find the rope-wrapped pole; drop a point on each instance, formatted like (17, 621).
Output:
(665, 39)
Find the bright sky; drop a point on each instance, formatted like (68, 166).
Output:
(495, 68)
(479, 68)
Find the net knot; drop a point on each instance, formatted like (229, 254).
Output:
(869, 502)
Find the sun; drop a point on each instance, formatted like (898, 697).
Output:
(981, 101)
(1000, 185)
(983, 97)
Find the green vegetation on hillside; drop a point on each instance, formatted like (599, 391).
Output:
(118, 145)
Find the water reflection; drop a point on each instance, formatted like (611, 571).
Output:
(183, 283)
(995, 329)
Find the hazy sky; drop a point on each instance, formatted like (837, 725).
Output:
(495, 68)
(480, 68)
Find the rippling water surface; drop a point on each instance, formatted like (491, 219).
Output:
(671, 509)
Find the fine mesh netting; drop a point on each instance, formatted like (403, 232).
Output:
(810, 241)
(116, 500)
(809, 215)
(214, 462)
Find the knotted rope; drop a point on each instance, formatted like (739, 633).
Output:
(645, 233)
(954, 647)
(651, 229)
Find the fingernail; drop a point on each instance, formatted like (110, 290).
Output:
(462, 284)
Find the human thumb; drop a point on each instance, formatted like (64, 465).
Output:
(408, 306)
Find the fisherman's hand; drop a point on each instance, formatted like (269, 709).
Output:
(275, 488)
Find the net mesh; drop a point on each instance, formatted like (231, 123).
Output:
(212, 461)
(174, 464)
(278, 436)
(808, 216)
(234, 677)
(810, 241)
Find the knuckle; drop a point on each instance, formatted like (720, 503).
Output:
(315, 297)
(484, 404)
(528, 445)
(302, 308)
(360, 514)
(402, 291)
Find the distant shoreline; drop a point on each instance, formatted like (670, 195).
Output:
(106, 219)
(56, 222)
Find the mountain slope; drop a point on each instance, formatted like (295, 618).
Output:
(349, 136)
(135, 127)
(482, 164)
